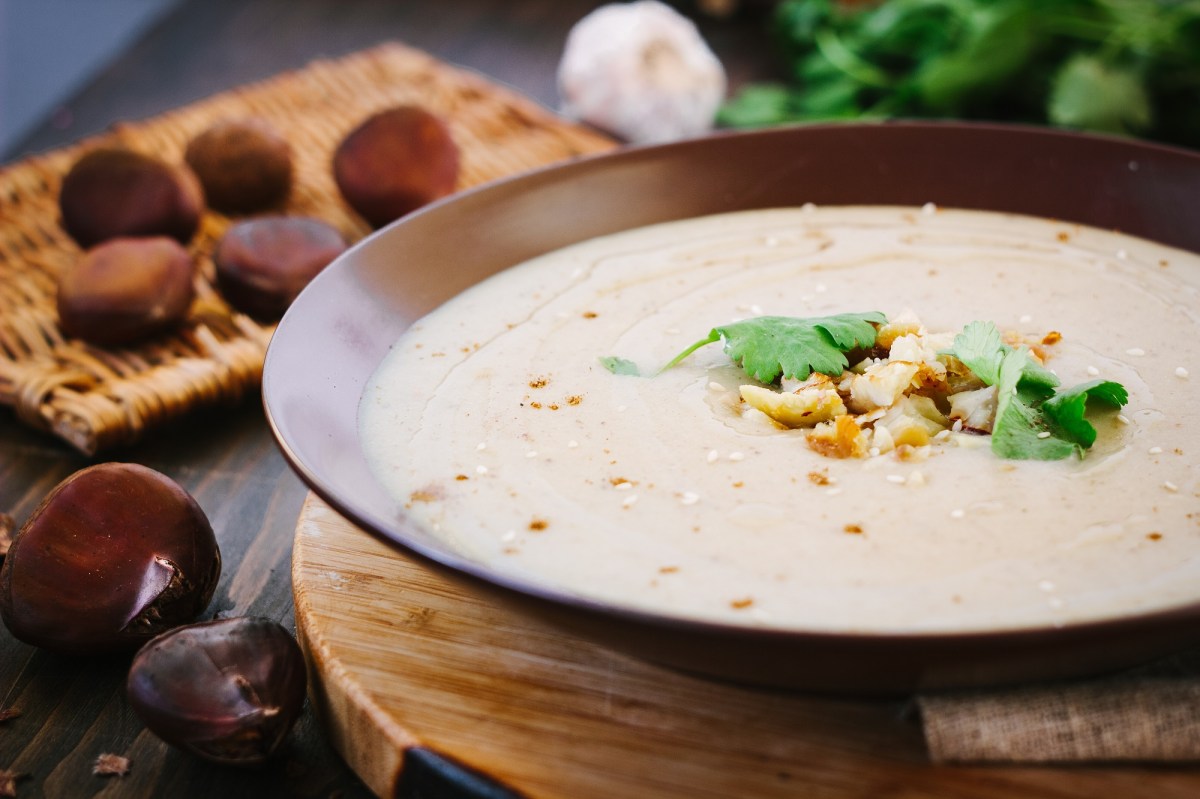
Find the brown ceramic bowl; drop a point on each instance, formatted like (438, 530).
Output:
(340, 328)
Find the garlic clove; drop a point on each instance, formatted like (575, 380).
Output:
(641, 71)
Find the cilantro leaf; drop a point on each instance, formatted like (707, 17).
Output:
(1065, 409)
(1017, 432)
(980, 347)
(768, 347)
(620, 366)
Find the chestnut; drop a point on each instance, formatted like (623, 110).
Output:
(262, 264)
(228, 690)
(395, 162)
(114, 555)
(113, 192)
(125, 290)
(243, 165)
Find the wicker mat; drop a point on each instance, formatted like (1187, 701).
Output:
(97, 399)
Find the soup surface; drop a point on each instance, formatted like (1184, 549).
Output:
(494, 424)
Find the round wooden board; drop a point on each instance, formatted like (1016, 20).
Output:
(400, 657)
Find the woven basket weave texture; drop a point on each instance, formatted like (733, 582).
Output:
(97, 399)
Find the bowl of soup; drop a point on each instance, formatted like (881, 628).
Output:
(482, 385)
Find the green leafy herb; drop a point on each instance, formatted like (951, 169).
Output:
(1117, 66)
(1035, 419)
(768, 347)
(620, 366)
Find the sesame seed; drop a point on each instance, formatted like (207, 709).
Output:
(1155, 450)
(941, 435)
(916, 479)
(1135, 351)
(929, 209)
(1122, 255)
(1133, 166)
(1093, 371)
(1026, 319)
(771, 241)
(481, 469)
(898, 479)
(1167, 484)
(712, 456)
(509, 536)
(833, 492)
(481, 446)
(1181, 372)
(629, 500)
(1123, 419)
(572, 444)
(531, 453)
(957, 513)
(957, 426)
(1044, 434)
(808, 208)
(1054, 602)
(689, 498)
(737, 456)
(756, 310)
(820, 287)
(715, 386)
(1046, 585)
(625, 485)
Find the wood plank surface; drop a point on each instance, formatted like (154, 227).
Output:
(402, 657)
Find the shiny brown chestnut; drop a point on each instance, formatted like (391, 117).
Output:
(228, 690)
(126, 289)
(244, 165)
(113, 192)
(262, 264)
(114, 555)
(395, 162)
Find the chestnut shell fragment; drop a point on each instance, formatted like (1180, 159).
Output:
(228, 690)
(126, 289)
(395, 162)
(114, 555)
(114, 192)
(243, 165)
(263, 264)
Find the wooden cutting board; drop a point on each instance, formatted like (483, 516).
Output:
(402, 659)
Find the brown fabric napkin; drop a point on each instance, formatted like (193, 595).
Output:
(1151, 713)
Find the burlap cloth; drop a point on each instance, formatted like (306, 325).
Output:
(1151, 713)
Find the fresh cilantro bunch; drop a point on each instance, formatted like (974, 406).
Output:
(1114, 66)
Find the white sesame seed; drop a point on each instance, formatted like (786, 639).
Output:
(957, 513)
(833, 492)
(531, 453)
(941, 435)
(629, 500)
(1044, 434)
(916, 479)
(577, 272)
(1181, 372)
(1093, 371)
(712, 456)
(1167, 484)
(481, 469)
(820, 287)
(737, 456)
(929, 209)
(1135, 351)
(957, 426)
(1122, 255)
(756, 310)
(1026, 319)
(1155, 450)
(562, 314)
(625, 485)
(1054, 602)
(1046, 585)
(481, 446)
(509, 536)
(689, 498)
(1133, 166)
(898, 479)
(771, 241)
(715, 386)
(1123, 419)
(808, 208)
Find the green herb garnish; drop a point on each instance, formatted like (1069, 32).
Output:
(620, 366)
(768, 347)
(1035, 418)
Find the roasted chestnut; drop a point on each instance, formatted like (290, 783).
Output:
(228, 690)
(114, 555)
(395, 162)
(243, 165)
(126, 289)
(114, 192)
(262, 264)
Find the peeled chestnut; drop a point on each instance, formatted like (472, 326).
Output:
(125, 290)
(114, 555)
(227, 690)
(262, 264)
(395, 162)
(114, 192)
(243, 165)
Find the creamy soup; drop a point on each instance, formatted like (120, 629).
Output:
(496, 426)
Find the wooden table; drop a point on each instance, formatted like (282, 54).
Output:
(72, 710)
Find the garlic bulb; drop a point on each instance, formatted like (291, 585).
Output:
(641, 71)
